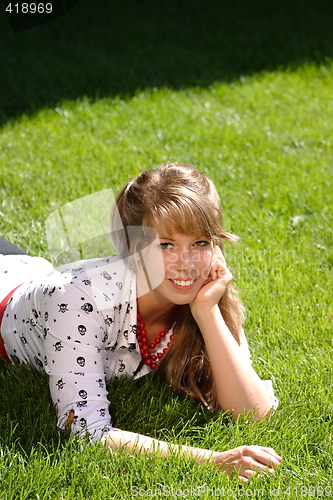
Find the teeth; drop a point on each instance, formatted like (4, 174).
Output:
(183, 283)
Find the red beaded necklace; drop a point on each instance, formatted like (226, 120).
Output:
(141, 335)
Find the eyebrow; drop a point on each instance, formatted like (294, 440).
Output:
(165, 238)
(197, 237)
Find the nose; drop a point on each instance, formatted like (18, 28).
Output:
(185, 261)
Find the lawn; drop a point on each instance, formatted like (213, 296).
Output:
(244, 93)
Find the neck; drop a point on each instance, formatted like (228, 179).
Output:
(153, 311)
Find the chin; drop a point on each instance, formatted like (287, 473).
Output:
(181, 300)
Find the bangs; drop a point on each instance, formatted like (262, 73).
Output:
(186, 217)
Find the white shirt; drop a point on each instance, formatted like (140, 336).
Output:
(78, 323)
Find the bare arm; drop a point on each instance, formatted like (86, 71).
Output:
(246, 460)
(238, 386)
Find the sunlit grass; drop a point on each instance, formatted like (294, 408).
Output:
(266, 141)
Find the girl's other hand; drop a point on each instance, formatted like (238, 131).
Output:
(247, 461)
(215, 285)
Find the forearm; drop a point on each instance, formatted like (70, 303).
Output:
(133, 442)
(245, 460)
(238, 386)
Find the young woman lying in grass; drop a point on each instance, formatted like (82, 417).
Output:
(163, 304)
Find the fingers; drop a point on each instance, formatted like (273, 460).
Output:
(268, 457)
(265, 456)
(257, 459)
(219, 267)
(271, 452)
(249, 461)
(253, 473)
(221, 273)
(253, 469)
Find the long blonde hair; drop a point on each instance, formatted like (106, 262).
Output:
(181, 197)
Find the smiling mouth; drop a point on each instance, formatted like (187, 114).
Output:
(183, 282)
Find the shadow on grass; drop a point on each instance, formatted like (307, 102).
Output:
(147, 405)
(27, 417)
(110, 47)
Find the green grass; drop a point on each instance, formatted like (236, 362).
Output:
(249, 102)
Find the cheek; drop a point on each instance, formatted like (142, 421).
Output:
(169, 268)
(204, 259)
(169, 259)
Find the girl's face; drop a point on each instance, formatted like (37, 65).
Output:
(186, 260)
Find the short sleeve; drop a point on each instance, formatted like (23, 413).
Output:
(270, 390)
(73, 333)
